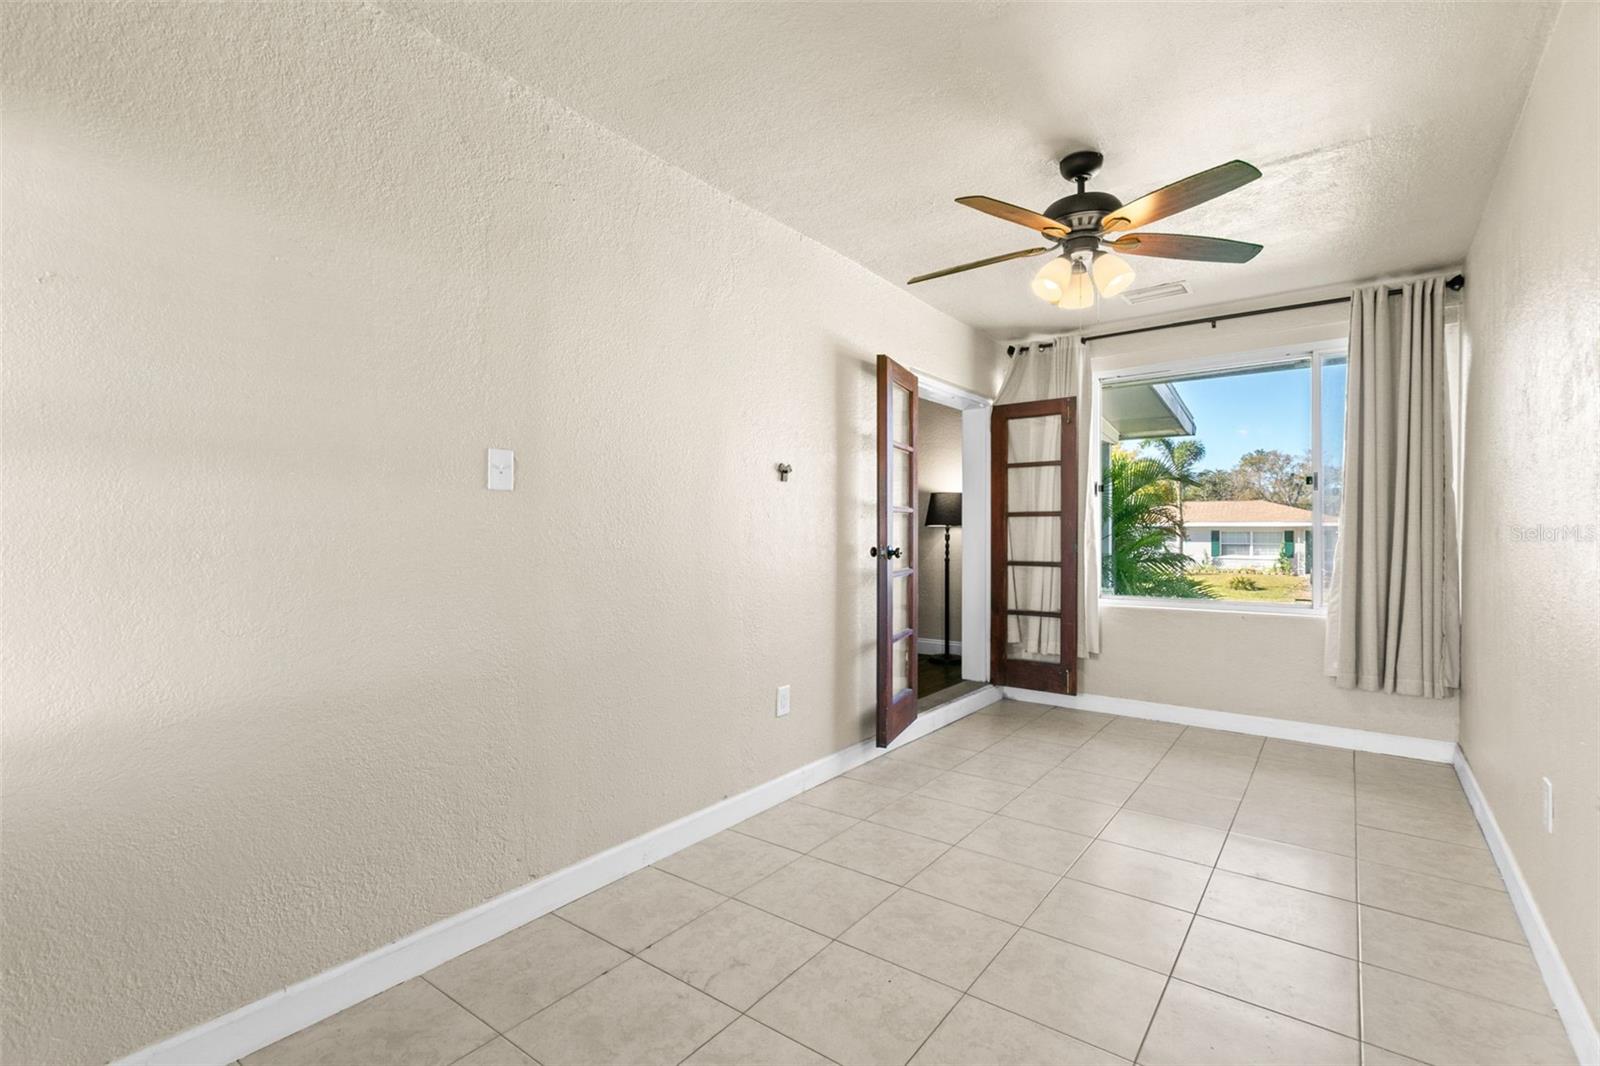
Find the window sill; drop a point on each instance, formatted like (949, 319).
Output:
(1212, 606)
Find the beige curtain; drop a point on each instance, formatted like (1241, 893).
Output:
(1088, 499)
(1394, 613)
(1045, 371)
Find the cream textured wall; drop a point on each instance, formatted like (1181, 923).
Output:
(282, 681)
(1251, 663)
(1530, 696)
(938, 470)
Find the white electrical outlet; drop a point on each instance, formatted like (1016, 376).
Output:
(1549, 805)
(783, 701)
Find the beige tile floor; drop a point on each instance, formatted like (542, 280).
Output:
(1027, 885)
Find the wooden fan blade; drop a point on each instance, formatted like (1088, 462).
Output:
(1012, 213)
(993, 259)
(1180, 196)
(1179, 246)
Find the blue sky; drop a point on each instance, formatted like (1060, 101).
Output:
(1268, 409)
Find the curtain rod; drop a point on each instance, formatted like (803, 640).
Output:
(1454, 284)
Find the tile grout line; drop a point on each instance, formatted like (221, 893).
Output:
(1020, 925)
(611, 969)
(1361, 946)
(897, 886)
(990, 815)
(1017, 724)
(497, 1033)
(640, 953)
(1062, 877)
(1195, 915)
(960, 994)
(497, 1036)
(1418, 836)
(964, 993)
(831, 939)
(1354, 794)
(947, 847)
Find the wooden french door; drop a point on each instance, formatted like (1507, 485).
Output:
(1033, 610)
(896, 549)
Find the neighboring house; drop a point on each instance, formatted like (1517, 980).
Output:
(1233, 534)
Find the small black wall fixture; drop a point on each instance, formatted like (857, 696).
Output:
(784, 470)
(944, 509)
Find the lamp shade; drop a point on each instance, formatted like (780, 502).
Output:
(944, 509)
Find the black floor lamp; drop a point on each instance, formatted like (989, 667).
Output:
(944, 509)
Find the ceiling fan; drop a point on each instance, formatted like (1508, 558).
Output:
(1082, 227)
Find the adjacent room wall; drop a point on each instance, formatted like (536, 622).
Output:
(1192, 658)
(282, 681)
(1530, 697)
(938, 470)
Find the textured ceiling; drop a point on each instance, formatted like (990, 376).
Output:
(1378, 127)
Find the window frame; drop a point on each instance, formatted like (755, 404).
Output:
(1315, 354)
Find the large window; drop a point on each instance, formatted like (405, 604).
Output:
(1222, 485)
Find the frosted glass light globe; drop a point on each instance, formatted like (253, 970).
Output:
(1112, 274)
(1052, 279)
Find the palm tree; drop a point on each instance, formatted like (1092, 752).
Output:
(1183, 459)
(1144, 524)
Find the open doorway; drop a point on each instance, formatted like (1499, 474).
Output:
(913, 622)
(939, 534)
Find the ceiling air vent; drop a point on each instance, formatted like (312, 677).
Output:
(1155, 292)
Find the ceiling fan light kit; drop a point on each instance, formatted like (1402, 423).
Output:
(1080, 226)
(1051, 281)
(1112, 274)
(1079, 291)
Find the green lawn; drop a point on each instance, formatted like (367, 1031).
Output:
(1271, 588)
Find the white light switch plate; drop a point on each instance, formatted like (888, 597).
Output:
(502, 469)
(783, 701)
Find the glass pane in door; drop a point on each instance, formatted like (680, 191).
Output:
(901, 399)
(900, 486)
(1033, 488)
(1034, 539)
(1033, 588)
(900, 595)
(900, 664)
(1033, 440)
(1034, 639)
(900, 537)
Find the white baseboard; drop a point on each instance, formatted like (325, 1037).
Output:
(1569, 1003)
(935, 646)
(255, 1025)
(1255, 725)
